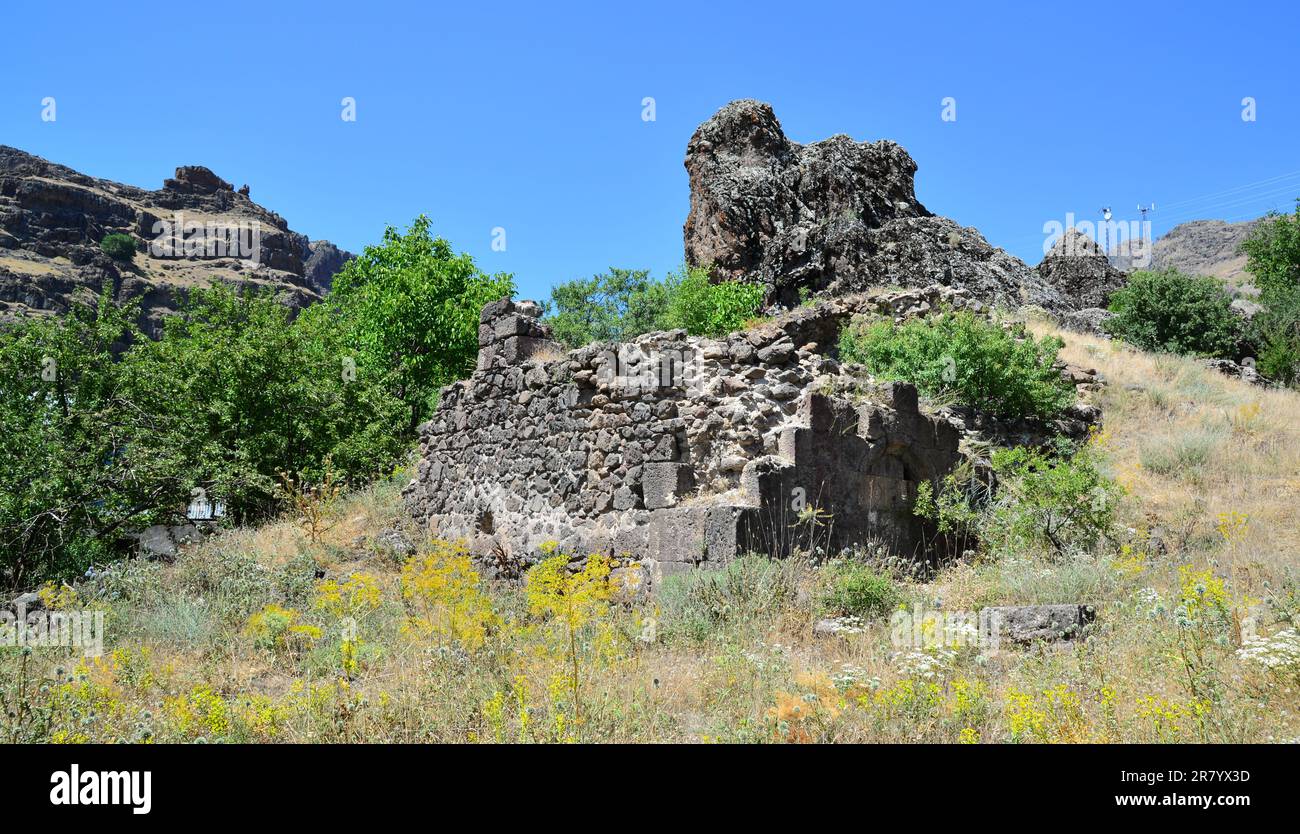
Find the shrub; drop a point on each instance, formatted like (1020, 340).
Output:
(1273, 258)
(1061, 500)
(616, 306)
(961, 355)
(1176, 313)
(623, 304)
(1279, 354)
(1273, 255)
(704, 308)
(855, 588)
(118, 246)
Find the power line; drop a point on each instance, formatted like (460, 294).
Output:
(1247, 186)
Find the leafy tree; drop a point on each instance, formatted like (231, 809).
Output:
(243, 393)
(705, 308)
(622, 304)
(1273, 257)
(72, 476)
(410, 305)
(961, 355)
(615, 306)
(1176, 313)
(111, 431)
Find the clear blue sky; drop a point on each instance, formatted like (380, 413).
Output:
(528, 116)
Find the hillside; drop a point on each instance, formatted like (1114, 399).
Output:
(851, 475)
(1199, 247)
(52, 220)
(1208, 463)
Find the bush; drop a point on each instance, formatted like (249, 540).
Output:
(855, 588)
(1176, 313)
(961, 355)
(704, 308)
(118, 246)
(616, 306)
(1060, 500)
(1279, 355)
(1273, 257)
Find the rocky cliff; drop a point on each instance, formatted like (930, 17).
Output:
(833, 217)
(194, 231)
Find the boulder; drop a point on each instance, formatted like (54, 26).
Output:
(1026, 624)
(1078, 269)
(835, 217)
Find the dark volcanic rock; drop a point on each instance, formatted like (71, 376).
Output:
(835, 216)
(195, 179)
(1079, 270)
(53, 218)
(324, 261)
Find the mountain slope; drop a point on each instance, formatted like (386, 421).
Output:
(52, 220)
(1199, 247)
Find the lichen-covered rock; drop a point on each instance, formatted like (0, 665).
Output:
(1090, 320)
(1079, 270)
(835, 216)
(1027, 624)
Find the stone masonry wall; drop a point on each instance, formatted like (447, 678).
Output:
(677, 449)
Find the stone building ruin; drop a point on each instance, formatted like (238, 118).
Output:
(680, 450)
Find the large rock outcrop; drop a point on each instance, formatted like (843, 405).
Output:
(833, 217)
(1078, 268)
(53, 218)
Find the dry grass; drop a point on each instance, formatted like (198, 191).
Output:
(1211, 466)
(1193, 446)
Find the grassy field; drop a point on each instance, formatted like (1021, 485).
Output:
(238, 640)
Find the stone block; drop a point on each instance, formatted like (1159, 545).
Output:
(663, 484)
(1031, 623)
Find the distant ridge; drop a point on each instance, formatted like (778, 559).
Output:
(52, 220)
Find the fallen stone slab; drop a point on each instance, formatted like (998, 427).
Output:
(1032, 623)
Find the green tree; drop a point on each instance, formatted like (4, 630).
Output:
(75, 474)
(411, 305)
(1176, 313)
(1273, 257)
(614, 306)
(243, 392)
(705, 308)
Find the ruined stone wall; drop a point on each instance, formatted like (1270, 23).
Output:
(677, 449)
